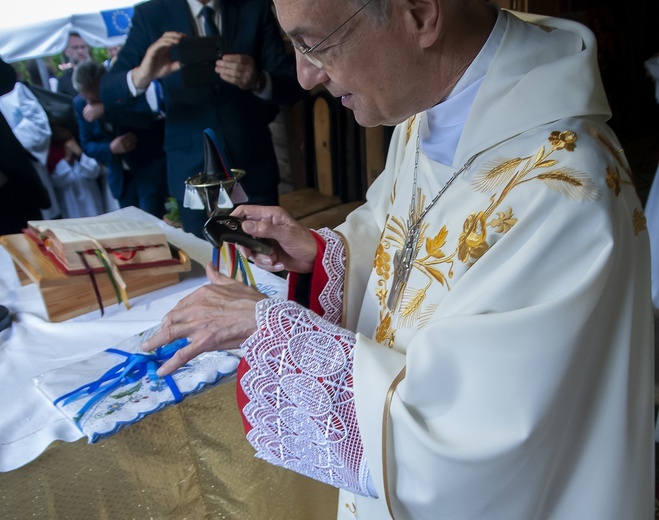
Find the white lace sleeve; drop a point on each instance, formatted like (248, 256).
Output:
(334, 263)
(301, 401)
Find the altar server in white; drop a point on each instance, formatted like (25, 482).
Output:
(478, 342)
(75, 176)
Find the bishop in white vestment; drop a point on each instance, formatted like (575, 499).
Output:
(512, 378)
(478, 337)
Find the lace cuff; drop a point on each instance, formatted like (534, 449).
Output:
(334, 263)
(301, 401)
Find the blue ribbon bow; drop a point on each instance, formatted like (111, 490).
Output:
(134, 368)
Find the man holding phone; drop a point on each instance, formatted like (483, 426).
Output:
(257, 76)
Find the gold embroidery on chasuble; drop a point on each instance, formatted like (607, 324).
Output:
(639, 221)
(615, 181)
(440, 251)
(351, 507)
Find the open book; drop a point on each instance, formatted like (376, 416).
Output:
(78, 244)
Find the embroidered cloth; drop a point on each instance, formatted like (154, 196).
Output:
(99, 415)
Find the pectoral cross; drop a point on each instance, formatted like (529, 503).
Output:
(403, 264)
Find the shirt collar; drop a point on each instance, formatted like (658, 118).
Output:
(196, 6)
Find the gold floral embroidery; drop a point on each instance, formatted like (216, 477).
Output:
(613, 179)
(563, 140)
(434, 245)
(381, 293)
(513, 172)
(411, 305)
(504, 221)
(471, 243)
(410, 126)
(426, 314)
(382, 262)
(639, 221)
(384, 333)
(432, 259)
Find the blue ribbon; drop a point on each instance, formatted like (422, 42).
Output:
(134, 368)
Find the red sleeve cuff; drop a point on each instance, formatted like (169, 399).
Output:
(319, 278)
(241, 398)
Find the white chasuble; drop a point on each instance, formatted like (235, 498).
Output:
(513, 378)
(524, 320)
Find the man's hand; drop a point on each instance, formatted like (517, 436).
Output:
(239, 70)
(218, 316)
(157, 62)
(295, 247)
(124, 143)
(93, 111)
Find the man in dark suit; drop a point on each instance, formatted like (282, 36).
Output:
(128, 142)
(76, 51)
(257, 77)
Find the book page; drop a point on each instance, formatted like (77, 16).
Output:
(103, 227)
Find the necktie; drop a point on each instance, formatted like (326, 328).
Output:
(210, 29)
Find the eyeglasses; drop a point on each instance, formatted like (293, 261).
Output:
(307, 51)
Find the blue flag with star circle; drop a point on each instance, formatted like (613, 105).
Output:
(117, 21)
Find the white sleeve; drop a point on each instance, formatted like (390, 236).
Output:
(150, 93)
(89, 168)
(301, 402)
(31, 126)
(62, 174)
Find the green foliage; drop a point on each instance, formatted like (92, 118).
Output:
(99, 54)
(21, 72)
(172, 216)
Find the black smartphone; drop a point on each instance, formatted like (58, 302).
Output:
(224, 228)
(198, 55)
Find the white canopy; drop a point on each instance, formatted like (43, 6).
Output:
(40, 28)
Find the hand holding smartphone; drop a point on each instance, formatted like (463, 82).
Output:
(197, 55)
(221, 228)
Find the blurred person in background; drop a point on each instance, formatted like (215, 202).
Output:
(22, 193)
(76, 51)
(29, 123)
(112, 51)
(75, 176)
(253, 77)
(128, 143)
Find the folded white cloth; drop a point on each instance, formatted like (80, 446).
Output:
(118, 387)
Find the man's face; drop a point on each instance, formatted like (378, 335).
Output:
(113, 50)
(363, 63)
(76, 50)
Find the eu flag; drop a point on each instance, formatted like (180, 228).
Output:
(117, 21)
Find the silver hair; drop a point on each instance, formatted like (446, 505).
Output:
(377, 10)
(87, 75)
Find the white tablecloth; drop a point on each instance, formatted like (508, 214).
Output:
(33, 345)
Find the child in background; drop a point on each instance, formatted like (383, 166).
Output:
(75, 176)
